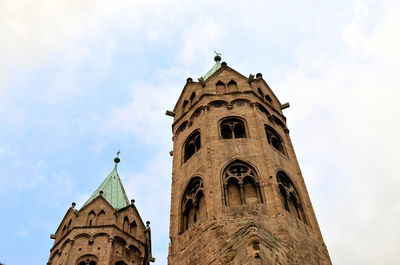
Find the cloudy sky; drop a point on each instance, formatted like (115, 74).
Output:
(81, 79)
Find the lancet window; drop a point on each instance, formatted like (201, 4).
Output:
(232, 128)
(274, 139)
(289, 197)
(232, 86)
(241, 186)
(192, 145)
(91, 218)
(193, 208)
(220, 87)
(125, 224)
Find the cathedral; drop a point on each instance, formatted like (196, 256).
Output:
(238, 196)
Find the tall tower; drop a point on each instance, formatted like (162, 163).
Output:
(107, 230)
(238, 195)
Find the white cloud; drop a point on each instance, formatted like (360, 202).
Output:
(345, 107)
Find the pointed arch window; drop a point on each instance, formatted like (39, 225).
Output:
(274, 139)
(241, 186)
(220, 87)
(232, 128)
(185, 105)
(192, 145)
(192, 97)
(289, 197)
(132, 228)
(125, 224)
(193, 208)
(91, 218)
(100, 218)
(87, 260)
(260, 92)
(232, 86)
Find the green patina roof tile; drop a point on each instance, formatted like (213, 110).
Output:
(113, 191)
(212, 70)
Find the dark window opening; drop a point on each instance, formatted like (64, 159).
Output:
(268, 98)
(192, 145)
(232, 128)
(193, 209)
(290, 199)
(185, 105)
(263, 110)
(260, 92)
(192, 96)
(274, 139)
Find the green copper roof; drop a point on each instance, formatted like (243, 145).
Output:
(217, 65)
(113, 191)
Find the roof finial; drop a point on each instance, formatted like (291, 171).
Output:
(117, 160)
(217, 57)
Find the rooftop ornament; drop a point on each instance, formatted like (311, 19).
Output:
(117, 160)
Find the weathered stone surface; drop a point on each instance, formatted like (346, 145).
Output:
(101, 234)
(250, 204)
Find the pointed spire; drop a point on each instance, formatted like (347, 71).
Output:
(217, 65)
(112, 189)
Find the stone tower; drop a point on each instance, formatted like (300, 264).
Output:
(238, 195)
(107, 230)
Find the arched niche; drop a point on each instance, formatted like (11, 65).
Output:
(241, 184)
(193, 205)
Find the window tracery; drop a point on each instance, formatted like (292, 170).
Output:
(274, 139)
(87, 260)
(193, 208)
(232, 128)
(241, 186)
(289, 197)
(192, 145)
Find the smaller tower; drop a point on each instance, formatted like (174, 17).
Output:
(107, 230)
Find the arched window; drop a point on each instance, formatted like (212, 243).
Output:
(193, 208)
(232, 86)
(220, 87)
(274, 139)
(87, 260)
(192, 145)
(91, 218)
(263, 110)
(133, 228)
(290, 199)
(232, 128)
(268, 98)
(260, 92)
(185, 105)
(125, 224)
(192, 97)
(241, 185)
(100, 218)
